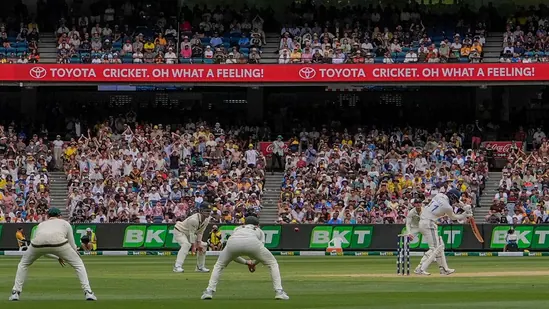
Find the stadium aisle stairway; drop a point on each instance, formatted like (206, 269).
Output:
(271, 194)
(269, 52)
(492, 185)
(48, 48)
(493, 47)
(59, 192)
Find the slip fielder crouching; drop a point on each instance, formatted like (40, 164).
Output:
(53, 238)
(188, 234)
(247, 240)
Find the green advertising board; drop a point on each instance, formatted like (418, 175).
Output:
(272, 234)
(354, 237)
(152, 236)
(161, 236)
(528, 236)
(452, 236)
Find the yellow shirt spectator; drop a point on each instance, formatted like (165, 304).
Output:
(70, 151)
(215, 237)
(465, 51)
(476, 46)
(160, 41)
(149, 46)
(295, 56)
(347, 142)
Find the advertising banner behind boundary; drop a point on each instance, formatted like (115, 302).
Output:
(307, 237)
(283, 73)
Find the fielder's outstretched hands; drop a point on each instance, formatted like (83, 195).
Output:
(251, 265)
(61, 262)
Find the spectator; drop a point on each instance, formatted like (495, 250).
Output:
(162, 192)
(338, 174)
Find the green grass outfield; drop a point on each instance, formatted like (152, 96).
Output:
(311, 282)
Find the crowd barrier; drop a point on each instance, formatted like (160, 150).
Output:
(154, 237)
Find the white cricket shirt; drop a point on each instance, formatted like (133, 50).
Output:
(247, 232)
(193, 227)
(53, 233)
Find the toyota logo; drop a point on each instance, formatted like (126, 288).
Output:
(37, 72)
(307, 73)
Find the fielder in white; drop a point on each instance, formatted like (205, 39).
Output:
(440, 206)
(188, 234)
(53, 238)
(247, 240)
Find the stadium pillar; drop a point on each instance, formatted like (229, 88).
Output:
(29, 102)
(255, 104)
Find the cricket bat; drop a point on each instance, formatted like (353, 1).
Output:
(474, 227)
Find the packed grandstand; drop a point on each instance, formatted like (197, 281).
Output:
(135, 170)
(128, 32)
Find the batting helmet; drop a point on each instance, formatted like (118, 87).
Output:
(251, 220)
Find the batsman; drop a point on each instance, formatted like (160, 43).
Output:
(441, 205)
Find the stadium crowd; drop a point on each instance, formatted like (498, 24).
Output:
(19, 42)
(24, 179)
(523, 195)
(374, 176)
(404, 40)
(525, 39)
(133, 34)
(123, 171)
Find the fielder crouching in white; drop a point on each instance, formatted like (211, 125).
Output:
(247, 240)
(53, 238)
(412, 219)
(440, 206)
(188, 234)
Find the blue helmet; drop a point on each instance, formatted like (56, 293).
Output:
(454, 195)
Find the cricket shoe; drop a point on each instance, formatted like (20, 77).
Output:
(90, 296)
(14, 296)
(178, 270)
(202, 270)
(281, 295)
(447, 271)
(206, 295)
(421, 272)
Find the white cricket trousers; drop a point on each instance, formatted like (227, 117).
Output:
(429, 230)
(245, 247)
(65, 252)
(183, 241)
